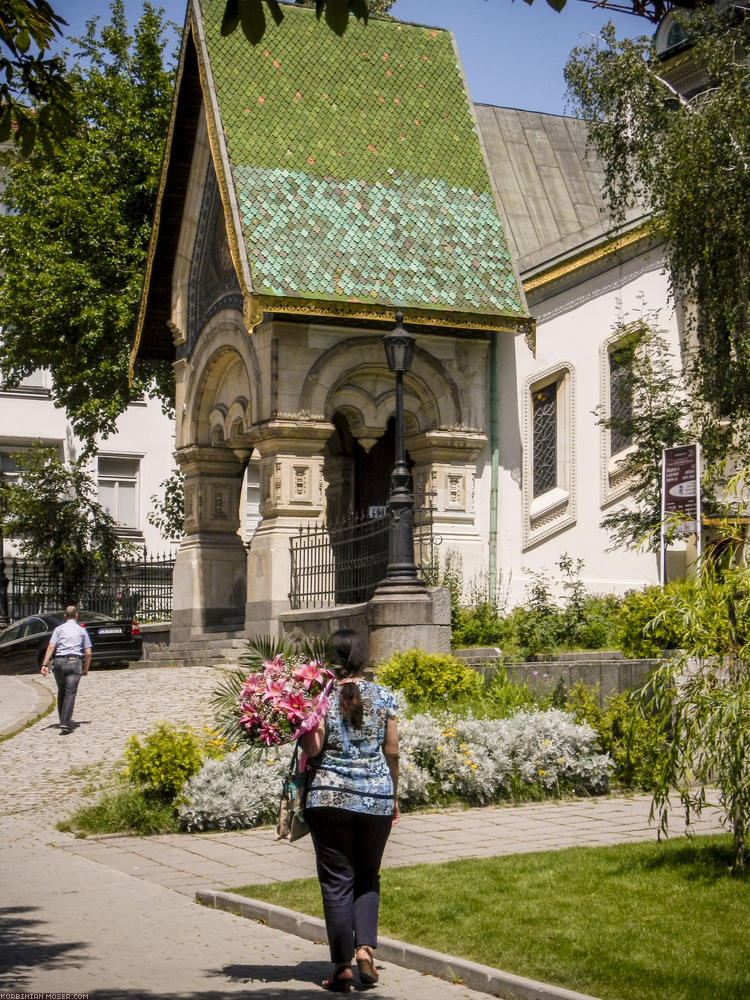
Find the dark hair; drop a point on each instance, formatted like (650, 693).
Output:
(349, 658)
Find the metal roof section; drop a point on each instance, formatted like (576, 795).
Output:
(550, 189)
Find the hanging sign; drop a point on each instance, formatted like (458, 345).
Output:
(681, 497)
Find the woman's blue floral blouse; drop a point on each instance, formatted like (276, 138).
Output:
(352, 773)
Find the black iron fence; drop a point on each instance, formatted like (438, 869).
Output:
(343, 563)
(137, 588)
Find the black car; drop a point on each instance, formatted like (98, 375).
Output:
(113, 640)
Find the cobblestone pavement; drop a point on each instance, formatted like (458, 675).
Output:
(114, 916)
(44, 771)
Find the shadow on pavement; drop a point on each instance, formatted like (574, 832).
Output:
(294, 990)
(27, 948)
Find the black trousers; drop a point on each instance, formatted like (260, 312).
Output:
(348, 850)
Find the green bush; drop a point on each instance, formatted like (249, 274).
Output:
(479, 626)
(542, 627)
(430, 678)
(598, 626)
(506, 697)
(164, 761)
(648, 622)
(626, 733)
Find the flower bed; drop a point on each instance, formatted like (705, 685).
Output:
(443, 759)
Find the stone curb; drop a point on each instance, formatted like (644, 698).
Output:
(44, 699)
(433, 963)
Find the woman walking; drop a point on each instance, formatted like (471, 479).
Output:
(351, 806)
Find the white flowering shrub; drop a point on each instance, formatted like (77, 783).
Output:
(443, 758)
(482, 760)
(230, 795)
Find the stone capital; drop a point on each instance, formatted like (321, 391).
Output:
(460, 445)
(209, 460)
(290, 437)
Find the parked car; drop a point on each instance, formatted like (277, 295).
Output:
(113, 640)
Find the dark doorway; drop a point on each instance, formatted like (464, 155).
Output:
(359, 481)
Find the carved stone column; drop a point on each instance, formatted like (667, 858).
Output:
(445, 465)
(211, 564)
(292, 493)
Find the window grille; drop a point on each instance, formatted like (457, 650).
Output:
(545, 438)
(620, 399)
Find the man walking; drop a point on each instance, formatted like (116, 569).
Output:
(70, 651)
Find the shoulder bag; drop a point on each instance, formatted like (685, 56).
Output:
(291, 823)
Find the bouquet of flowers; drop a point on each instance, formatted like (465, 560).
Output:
(287, 698)
(281, 694)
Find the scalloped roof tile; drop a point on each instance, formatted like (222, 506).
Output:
(357, 166)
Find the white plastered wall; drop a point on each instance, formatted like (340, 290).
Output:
(573, 325)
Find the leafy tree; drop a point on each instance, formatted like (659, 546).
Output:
(700, 702)
(653, 419)
(35, 98)
(686, 158)
(53, 512)
(73, 244)
(167, 512)
(250, 14)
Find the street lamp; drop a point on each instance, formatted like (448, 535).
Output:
(402, 570)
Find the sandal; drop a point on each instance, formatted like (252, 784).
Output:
(368, 974)
(339, 983)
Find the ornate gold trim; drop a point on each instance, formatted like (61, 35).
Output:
(220, 162)
(387, 314)
(166, 159)
(252, 312)
(587, 257)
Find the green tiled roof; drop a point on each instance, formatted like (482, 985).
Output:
(357, 166)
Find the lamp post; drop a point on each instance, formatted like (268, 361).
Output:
(402, 570)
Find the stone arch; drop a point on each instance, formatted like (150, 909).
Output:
(223, 381)
(352, 377)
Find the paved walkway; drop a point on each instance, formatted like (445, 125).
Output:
(114, 917)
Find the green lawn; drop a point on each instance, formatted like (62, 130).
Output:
(634, 922)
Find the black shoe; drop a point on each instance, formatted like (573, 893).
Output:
(64, 730)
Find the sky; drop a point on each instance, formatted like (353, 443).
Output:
(513, 54)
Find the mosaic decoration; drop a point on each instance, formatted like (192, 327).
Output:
(358, 168)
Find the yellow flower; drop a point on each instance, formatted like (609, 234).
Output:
(542, 774)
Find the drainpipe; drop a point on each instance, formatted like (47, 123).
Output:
(495, 468)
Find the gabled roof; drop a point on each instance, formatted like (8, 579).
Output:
(351, 172)
(551, 189)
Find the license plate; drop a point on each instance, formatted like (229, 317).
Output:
(110, 631)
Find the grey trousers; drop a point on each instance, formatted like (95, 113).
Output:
(68, 671)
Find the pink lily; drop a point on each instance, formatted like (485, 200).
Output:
(308, 673)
